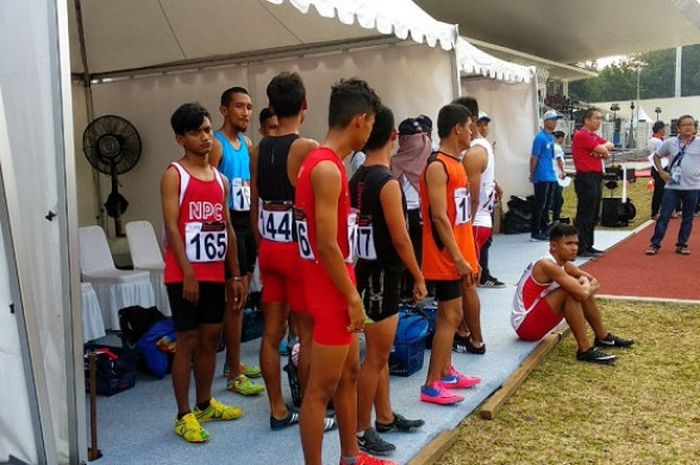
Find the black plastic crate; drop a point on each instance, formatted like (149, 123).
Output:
(115, 369)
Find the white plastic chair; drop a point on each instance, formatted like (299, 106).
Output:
(115, 289)
(93, 323)
(146, 256)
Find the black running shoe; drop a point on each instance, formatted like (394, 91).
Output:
(613, 341)
(595, 251)
(400, 422)
(594, 355)
(372, 443)
(459, 344)
(491, 282)
(464, 344)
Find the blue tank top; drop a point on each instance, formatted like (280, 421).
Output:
(235, 165)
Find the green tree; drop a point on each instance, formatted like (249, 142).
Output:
(656, 77)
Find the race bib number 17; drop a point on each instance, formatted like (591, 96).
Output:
(462, 206)
(365, 239)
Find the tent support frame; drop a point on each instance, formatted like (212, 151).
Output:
(67, 207)
(23, 307)
(278, 53)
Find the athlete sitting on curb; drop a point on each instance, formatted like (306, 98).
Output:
(553, 288)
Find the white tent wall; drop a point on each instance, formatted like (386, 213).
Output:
(411, 79)
(512, 107)
(16, 430)
(87, 200)
(31, 77)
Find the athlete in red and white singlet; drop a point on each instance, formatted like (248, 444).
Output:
(202, 226)
(201, 245)
(553, 288)
(532, 317)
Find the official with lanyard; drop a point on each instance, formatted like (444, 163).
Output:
(682, 177)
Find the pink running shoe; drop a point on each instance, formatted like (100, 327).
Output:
(437, 394)
(456, 380)
(364, 459)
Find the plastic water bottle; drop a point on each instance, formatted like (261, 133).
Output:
(650, 185)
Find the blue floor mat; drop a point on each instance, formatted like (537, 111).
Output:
(136, 426)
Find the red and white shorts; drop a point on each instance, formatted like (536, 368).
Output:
(481, 236)
(540, 320)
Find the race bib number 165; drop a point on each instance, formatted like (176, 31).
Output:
(205, 242)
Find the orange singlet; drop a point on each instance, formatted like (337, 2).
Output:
(437, 262)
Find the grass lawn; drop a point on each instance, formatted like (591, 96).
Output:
(636, 191)
(643, 410)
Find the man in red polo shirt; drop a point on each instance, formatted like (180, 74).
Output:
(589, 151)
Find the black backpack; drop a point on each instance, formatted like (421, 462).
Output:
(135, 321)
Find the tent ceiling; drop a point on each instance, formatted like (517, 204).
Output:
(132, 34)
(571, 31)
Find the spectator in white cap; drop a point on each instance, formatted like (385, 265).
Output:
(489, 193)
(542, 176)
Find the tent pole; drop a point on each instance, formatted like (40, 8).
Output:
(68, 236)
(90, 109)
(454, 61)
(22, 305)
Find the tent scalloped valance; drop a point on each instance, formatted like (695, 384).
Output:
(399, 17)
(473, 60)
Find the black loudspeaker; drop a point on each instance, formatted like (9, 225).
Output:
(609, 216)
(674, 127)
(618, 125)
(616, 214)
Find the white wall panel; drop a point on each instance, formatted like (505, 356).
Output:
(410, 79)
(513, 128)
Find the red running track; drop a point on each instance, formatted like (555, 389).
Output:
(625, 270)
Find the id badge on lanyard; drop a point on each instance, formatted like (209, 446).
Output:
(676, 164)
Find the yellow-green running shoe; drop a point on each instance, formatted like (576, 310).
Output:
(217, 411)
(251, 371)
(244, 386)
(189, 429)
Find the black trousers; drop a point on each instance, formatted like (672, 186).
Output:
(589, 190)
(659, 184)
(544, 193)
(557, 203)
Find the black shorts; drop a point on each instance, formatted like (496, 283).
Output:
(381, 287)
(447, 290)
(209, 310)
(245, 241)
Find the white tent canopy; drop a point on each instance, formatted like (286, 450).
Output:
(135, 34)
(474, 61)
(508, 93)
(411, 78)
